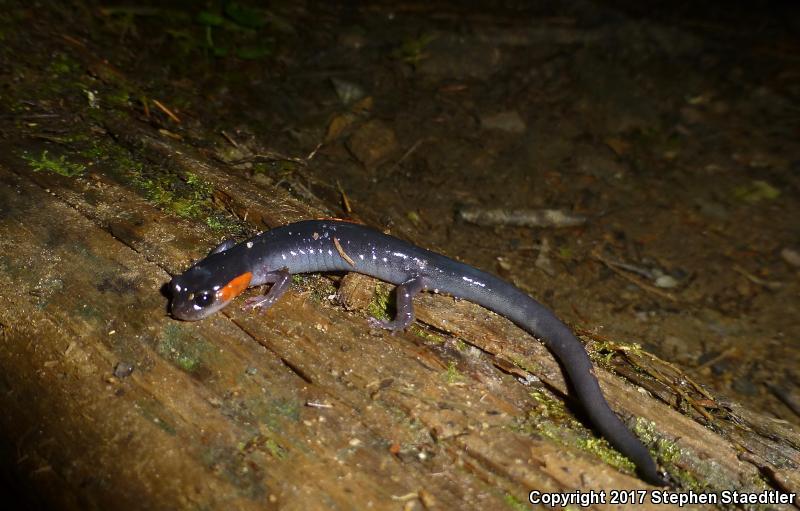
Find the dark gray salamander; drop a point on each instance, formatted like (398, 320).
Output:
(330, 245)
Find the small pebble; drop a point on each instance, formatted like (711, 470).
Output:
(123, 369)
(791, 256)
(666, 282)
(509, 121)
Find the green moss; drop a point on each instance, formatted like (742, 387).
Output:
(222, 222)
(524, 363)
(94, 151)
(551, 419)
(186, 195)
(452, 374)
(514, 503)
(427, 334)
(552, 408)
(118, 97)
(319, 286)
(378, 308)
(59, 165)
(413, 50)
(603, 450)
(322, 288)
(414, 218)
(279, 410)
(182, 349)
(279, 169)
(646, 431)
(262, 443)
(62, 65)
(669, 455)
(231, 28)
(704, 474)
(603, 352)
(756, 191)
(275, 449)
(152, 411)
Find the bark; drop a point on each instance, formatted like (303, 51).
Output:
(302, 407)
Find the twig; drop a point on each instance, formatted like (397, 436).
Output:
(313, 152)
(268, 157)
(345, 200)
(661, 377)
(166, 110)
(342, 252)
(145, 106)
(785, 398)
(725, 354)
(403, 158)
(317, 404)
(521, 217)
(613, 266)
(230, 139)
(769, 284)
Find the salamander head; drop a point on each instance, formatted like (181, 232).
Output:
(205, 288)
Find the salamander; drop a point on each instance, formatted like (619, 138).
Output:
(332, 245)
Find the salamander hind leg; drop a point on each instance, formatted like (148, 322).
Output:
(280, 281)
(405, 307)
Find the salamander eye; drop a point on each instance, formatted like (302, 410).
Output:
(204, 299)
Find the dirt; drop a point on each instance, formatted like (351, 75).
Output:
(674, 131)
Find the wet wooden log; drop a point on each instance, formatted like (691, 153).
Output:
(303, 407)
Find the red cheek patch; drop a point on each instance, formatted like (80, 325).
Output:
(234, 287)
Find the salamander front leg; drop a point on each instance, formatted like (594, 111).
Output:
(280, 281)
(405, 308)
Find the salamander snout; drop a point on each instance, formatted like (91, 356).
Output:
(191, 301)
(187, 304)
